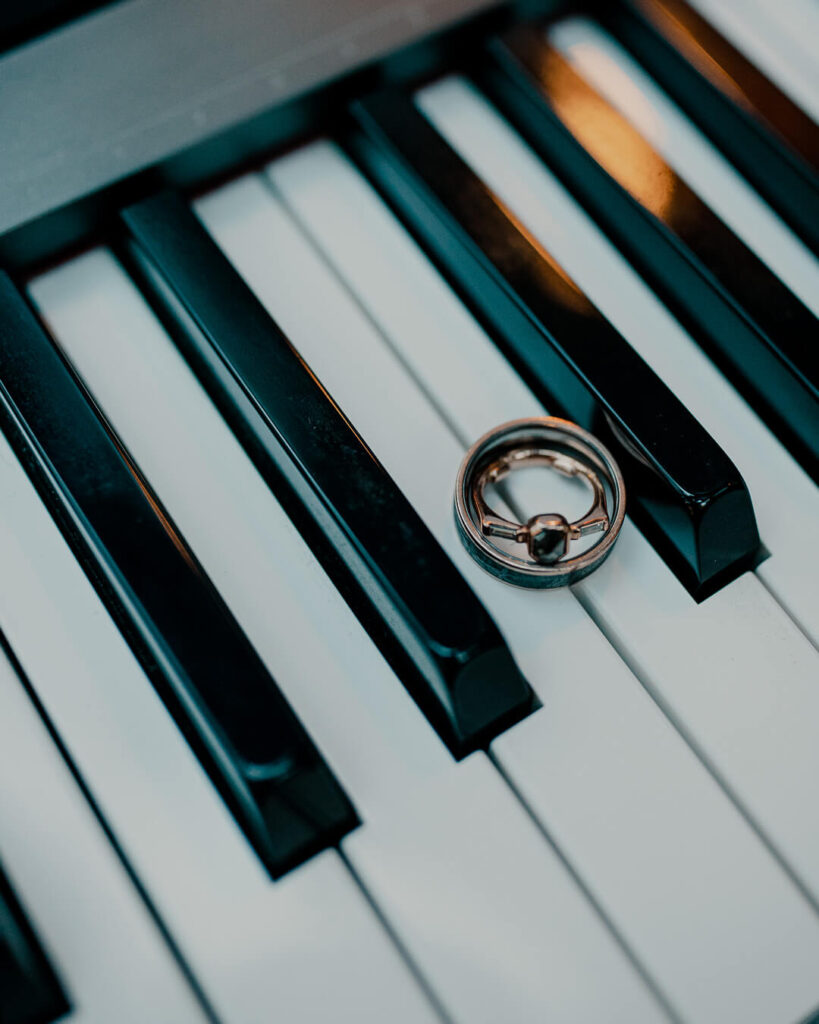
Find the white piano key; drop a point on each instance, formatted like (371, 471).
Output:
(622, 793)
(786, 500)
(306, 948)
(470, 884)
(779, 36)
(753, 655)
(108, 953)
(435, 834)
(621, 80)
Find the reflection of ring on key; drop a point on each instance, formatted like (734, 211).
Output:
(559, 445)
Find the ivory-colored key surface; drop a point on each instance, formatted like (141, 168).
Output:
(435, 832)
(399, 421)
(624, 767)
(778, 36)
(786, 501)
(735, 673)
(621, 80)
(308, 944)
(110, 957)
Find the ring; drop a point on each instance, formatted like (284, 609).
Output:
(566, 448)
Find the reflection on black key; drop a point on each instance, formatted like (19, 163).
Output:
(259, 756)
(757, 127)
(29, 991)
(733, 74)
(683, 490)
(759, 333)
(361, 527)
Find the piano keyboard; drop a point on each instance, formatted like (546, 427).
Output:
(272, 746)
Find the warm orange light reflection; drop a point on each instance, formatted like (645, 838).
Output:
(614, 143)
(167, 525)
(710, 54)
(558, 285)
(732, 73)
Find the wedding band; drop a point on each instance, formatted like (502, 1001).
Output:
(566, 448)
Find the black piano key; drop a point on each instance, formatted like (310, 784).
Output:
(740, 312)
(684, 492)
(269, 773)
(368, 537)
(754, 128)
(734, 74)
(29, 990)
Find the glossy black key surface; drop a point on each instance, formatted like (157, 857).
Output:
(274, 780)
(683, 491)
(733, 74)
(763, 338)
(29, 990)
(755, 128)
(367, 536)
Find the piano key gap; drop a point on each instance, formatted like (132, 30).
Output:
(403, 951)
(142, 893)
(568, 495)
(607, 922)
(406, 366)
(781, 600)
(668, 711)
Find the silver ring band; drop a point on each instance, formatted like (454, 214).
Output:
(559, 445)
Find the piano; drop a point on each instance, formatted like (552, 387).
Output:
(273, 747)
